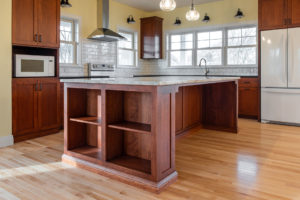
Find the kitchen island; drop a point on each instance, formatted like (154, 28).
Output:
(125, 128)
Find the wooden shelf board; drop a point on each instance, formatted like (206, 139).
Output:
(88, 120)
(132, 126)
(89, 151)
(134, 163)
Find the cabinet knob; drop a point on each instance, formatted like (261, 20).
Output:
(41, 87)
(36, 87)
(40, 38)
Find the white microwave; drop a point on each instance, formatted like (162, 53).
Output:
(34, 66)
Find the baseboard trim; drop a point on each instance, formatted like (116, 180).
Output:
(6, 141)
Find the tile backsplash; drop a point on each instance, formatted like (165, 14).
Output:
(101, 52)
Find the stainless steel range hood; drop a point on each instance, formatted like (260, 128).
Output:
(105, 34)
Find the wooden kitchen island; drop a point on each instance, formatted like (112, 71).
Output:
(125, 128)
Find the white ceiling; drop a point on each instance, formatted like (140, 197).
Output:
(153, 5)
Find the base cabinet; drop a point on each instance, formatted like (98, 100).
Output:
(248, 98)
(35, 107)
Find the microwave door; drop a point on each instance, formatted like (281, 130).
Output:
(31, 68)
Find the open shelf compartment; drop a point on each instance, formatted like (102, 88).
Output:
(88, 120)
(128, 132)
(132, 126)
(84, 123)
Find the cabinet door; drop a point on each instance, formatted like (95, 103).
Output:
(23, 26)
(49, 104)
(294, 13)
(24, 106)
(151, 38)
(272, 14)
(48, 22)
(248, 102)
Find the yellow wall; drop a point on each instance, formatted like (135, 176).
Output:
(119, 14)
(220, 12)
(86, 10)
(5, 68)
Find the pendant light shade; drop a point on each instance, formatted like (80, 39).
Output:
(167, 5)
(65, 4)
(193, 14)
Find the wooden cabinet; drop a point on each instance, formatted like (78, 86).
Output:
(294, 13)
(272, 14)
(179, 110)
(49, 104)
(36, 107)
(192, 106)
(36, 23)
(276, 14)
(248, 98)
(189, 102)
(24, 103)
(23, 27)
(151, 38)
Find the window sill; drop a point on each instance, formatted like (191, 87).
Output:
(213, 67)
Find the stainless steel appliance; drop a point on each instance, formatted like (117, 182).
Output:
(95, 70)
(280, 76)
(104, 34)
(34, 66)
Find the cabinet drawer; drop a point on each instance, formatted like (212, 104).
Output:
(248, 82)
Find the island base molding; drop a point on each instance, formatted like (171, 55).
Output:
(151, 186)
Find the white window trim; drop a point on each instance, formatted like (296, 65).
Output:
(169, 50)
(134, 49)
(223, 28)
(77, 52)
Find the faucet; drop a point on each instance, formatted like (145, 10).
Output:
(205, 62)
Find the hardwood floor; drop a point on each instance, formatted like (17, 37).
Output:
(261, 162)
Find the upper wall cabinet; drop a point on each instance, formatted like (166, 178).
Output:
(294, 13)
(151, 38)
(276, 14)
(36, 23)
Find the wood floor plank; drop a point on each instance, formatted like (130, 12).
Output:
(262, 162)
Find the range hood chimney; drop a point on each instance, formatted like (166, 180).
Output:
(104, 34)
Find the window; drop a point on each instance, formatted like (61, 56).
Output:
(210, 46)
(181, 50)
(69, 41)
(241, 47)
(127, 49)
(220, 47)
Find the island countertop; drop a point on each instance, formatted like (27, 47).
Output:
(153, 81)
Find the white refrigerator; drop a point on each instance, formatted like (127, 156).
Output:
(280, 76)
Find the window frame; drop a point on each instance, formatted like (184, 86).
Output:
(134, 49)
(74, 43)
(169, 50)
(224, 47)
(211, 48)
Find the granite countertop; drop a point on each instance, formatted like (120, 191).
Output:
(152, 81)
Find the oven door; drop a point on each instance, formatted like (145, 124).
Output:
(34, 66)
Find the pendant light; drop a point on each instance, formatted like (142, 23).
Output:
(167, 5)
(65, 4)
(193, 14)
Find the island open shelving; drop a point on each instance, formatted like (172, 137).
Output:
(127, 131)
